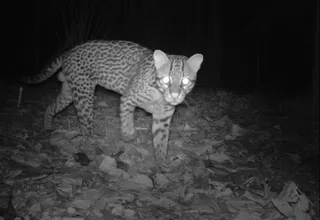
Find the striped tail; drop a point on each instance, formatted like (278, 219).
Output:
(46, 73)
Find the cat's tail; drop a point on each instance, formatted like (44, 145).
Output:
(44, 74)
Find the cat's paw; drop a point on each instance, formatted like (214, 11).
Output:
(86, 131)
(164, 168)
(127, 137)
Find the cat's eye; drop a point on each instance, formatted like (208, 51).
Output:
(165, 80)
(185, 81)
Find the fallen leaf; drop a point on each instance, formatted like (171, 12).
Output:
(143, 180)
(107, 164)
(160, 180)
(81, 204)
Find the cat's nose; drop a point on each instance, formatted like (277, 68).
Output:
(175, 95)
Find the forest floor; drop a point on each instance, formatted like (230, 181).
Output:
(232, 157)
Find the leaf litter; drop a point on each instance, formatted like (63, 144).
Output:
(219, 152)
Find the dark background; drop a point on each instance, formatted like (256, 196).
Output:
(234, 36)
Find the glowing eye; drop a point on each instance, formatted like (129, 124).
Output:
(185, 81)
(166, 79)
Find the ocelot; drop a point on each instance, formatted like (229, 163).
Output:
(151, 80)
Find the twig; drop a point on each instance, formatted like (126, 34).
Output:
(20, 96)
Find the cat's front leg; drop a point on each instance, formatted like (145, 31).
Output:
(127, 109)
(160, 131)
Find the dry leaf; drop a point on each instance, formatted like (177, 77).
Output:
(160, 180)
(198, 150)
(81, 204)
(143, 180)
(247, 215)
(107, 164)
(219, 157)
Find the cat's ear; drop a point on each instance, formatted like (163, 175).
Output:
(195, 61)
(160, 58)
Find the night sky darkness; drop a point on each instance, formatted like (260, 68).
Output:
(230, 34)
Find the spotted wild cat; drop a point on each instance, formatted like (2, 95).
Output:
(154, 81)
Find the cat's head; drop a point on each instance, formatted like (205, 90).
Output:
(176, 75)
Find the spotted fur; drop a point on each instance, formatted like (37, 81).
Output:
(150, 80)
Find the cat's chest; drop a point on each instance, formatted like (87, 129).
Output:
(152, 101)
(156, 107)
